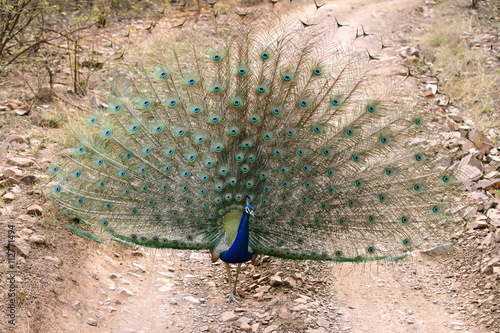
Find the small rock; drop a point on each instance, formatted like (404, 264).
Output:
(76, 305)
(166, 275)
(494, 215)
(299, 307)
(35, 210)
(28, 180)
(322, 322)
(20, 161)
(301, 300)
(45, 153)
(492, 174)
(490, 239)
(142, 269)
(25, 232)
(263, 289)
(480, 140)
(13, 181)
(289, 281)
(192, 299)
(275, 281)
(242, 320)
(36, 239)
(19, 146)
(482, 201)
(259, 296)
(133, 274)
(15, 138)
(430, 90)
(14, 103)
(262, 279)
(55, 260)
(273, 302)
(438, 250)
(319, 330)
(21, 112)
(9, 196)
(488, 269)
(284, 314)
(469, 173)
(92, 322)
(271, 328)
(13, 172)
(126, 292)
(478, 223)
(228, 316)
(452, 124)
(27, 219)
(20, 246)
(245, 327)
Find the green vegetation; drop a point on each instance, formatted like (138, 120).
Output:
(456, 46)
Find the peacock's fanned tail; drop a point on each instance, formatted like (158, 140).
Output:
(337, 166)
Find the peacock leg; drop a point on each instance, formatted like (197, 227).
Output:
(238, 268)
(231, 296)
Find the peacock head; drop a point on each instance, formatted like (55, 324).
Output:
(248, 207)
(249, 210)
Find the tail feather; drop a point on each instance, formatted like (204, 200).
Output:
(333, 160)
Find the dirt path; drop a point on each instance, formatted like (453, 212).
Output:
(180, 291)
(382, 299)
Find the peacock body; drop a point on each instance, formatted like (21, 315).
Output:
(333, 162)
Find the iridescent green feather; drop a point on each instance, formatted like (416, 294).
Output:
(336, 165)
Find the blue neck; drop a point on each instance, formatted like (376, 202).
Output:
(238, 252)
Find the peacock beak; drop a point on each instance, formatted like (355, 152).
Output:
(252, 213)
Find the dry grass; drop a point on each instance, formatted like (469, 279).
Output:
(469, 75)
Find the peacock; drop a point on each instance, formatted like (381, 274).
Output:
(246, 139)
